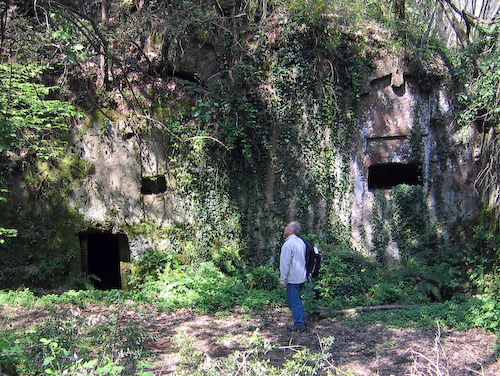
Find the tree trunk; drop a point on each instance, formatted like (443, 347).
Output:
(399, 9)
(104, 61)
(3, 24)
(449, 8)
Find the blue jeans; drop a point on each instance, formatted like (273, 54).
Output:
(295, 304)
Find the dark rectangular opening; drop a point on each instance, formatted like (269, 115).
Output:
(153, 185)
(102, 253)
(388, 175)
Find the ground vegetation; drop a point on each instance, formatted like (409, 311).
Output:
(239, 121)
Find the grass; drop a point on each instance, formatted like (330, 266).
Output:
(108, 339)
(460, 316)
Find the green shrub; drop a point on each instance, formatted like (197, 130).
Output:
(70, 343)
(262, 278)
(227, 259)
(10, 353)
(384, 293)
(205, 288)
(342, 280)
(484, 312)
(150, 266)
(257, 300)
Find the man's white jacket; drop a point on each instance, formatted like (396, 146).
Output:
(293, 261)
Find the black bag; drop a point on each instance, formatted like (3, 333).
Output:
(313, 260)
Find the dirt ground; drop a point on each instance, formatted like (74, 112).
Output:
(373, 350)
(186, 336)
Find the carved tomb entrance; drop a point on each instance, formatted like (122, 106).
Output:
(104, 255)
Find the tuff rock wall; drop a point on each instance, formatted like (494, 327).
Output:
(403, 122)
(398, 122)
(207, 142)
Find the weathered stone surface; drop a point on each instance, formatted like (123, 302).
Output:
(392, 109)
(190, 58)
(392, 112)
(387, 150)
(398, 122)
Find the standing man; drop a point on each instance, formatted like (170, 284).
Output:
(293, 274)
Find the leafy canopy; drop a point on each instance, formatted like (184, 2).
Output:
(31, 120)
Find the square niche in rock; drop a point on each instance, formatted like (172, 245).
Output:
(388, 175)
(151, 185)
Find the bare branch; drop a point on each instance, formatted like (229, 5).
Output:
(479, 19)
(449, 8)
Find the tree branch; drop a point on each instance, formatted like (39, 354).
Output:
(478, 19)
(448, 8)
(373, 308)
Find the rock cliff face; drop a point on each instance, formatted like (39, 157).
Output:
(399, 139)
(207, 142)
(401, 136)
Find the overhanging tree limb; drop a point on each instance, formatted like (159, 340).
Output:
(449, 9)
(478, 19)
(454, 15)
(96, 38)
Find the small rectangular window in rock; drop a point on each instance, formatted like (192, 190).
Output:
(151, 185)
(388, 175)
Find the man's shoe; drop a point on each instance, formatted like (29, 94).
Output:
(296, 328)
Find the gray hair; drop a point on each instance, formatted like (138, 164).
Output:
(295, 227)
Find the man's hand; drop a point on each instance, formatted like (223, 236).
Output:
(282, 285)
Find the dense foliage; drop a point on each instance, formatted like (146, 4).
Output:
(34, 116)
(33, 122)
(279, 108)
